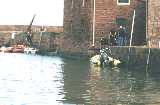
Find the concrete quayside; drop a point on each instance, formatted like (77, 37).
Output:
(138, 55)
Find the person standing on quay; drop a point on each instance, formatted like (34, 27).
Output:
(122, 39)
(112, 37)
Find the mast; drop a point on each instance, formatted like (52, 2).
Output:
(30, 25)
(29, 35)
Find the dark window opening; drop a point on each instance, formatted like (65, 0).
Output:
(123, 1)
(120, 21)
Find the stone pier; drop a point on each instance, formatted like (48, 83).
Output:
(138, 55)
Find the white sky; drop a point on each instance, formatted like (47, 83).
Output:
(20, 12)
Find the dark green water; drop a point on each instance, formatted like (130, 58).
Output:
(43, 80)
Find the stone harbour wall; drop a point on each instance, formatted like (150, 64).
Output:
(138, 56)
(47, 42)
(48, 39)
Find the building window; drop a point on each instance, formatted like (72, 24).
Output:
(120, 21)
(123, 2)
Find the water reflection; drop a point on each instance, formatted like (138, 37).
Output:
(42, 80)
(75, 77)
(111, 86)
(93, 85)
(123, 87)
(30, 80)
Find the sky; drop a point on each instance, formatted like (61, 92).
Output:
(20, 12)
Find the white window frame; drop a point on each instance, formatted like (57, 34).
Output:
(118, 3)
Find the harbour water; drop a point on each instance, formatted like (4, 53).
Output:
(52, 80)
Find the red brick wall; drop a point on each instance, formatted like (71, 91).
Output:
(107, 11)
(77, 25)
(154, 22)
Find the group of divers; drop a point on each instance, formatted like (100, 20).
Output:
(105, 57)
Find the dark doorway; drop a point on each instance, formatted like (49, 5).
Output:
(139, 36)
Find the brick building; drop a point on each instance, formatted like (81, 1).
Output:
(79, 20)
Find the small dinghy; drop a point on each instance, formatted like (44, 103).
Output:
(105, 59)
(30, 50)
